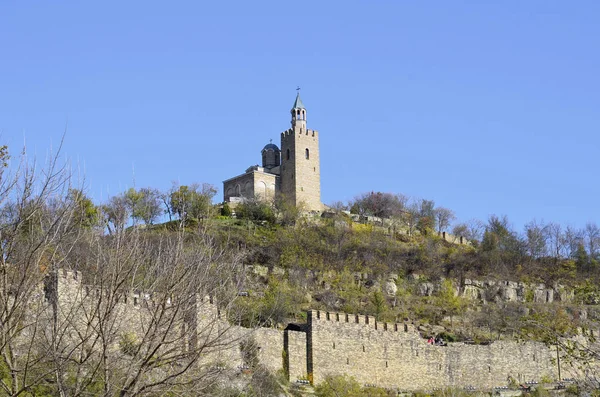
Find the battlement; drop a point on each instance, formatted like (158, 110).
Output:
(389, 354)
(307, 132)
(71, 286)
(359, 320)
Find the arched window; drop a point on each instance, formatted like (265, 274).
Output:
(307, 154)
(287, 154)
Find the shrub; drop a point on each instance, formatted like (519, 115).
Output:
(128, 343)
(226, 210)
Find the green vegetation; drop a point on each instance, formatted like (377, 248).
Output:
(346, 386)
(266, 263)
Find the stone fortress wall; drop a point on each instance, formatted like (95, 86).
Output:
(382, 354)
(396, 356)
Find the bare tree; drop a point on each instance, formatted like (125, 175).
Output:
(37, 226)
(556, 239)
(143, 316)
(411, 217)
(83, 313)
(537, 236)
(591, 235)
(338, 206)
(472, 230)
(444, 218)
(383, 205)
(573, 238)
(115, 213)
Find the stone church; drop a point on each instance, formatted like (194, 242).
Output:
(292, 171)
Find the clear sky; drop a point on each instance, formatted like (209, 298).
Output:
(484, 107)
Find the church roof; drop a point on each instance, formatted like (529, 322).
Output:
(298, 103)
(271, 146)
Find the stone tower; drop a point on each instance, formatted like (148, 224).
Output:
(300, 166)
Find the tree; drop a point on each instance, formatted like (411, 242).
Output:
(382, 205)
(116, 212)
(450, 302)
(537, 235)
(38, 212)
(425, 225)
(582, 259)
(378, 304)
(338, 206)
(427, 216)
(556, 239)
(86, 214)
(427, 208)
(277, 304)
(444, 218)
(192, 201)
(255, 210)
(82, 313)
(573, 239)
(145, 204)
(472, 230)
(501, 246)
(411, 217)
(286, 212)
(170, 342)
(591, 235)
(226, 210)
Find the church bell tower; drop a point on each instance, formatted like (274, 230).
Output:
(300, 166)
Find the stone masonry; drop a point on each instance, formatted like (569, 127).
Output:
(382, 354)
(294, 172)
(300, 171)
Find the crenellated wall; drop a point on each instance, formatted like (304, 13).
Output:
(392, 355)
(395, 356)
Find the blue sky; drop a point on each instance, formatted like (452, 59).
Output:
(483, 107)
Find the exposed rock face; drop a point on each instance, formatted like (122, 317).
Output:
(472, 292)
(501, 291)
(278, 271)
(562, 294)
(390, 288)
(426, 289)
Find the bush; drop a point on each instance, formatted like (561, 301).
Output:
(255, 211)
(226, 210)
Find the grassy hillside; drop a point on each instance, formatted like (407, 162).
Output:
(338, 265)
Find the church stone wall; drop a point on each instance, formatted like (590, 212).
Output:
(238, 187)
(251, 184)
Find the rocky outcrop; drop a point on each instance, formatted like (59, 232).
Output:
(390, 288)
(501, 291)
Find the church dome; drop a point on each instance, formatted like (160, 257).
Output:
(271, 156)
